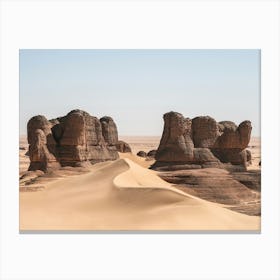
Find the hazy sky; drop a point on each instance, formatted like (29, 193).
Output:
(136, 87)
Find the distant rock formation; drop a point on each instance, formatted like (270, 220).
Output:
(141, 154)
(152, 153)
(201, 142)
(149, 156)
(123, 147)
(72, 140)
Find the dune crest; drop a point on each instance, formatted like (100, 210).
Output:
(121, 195)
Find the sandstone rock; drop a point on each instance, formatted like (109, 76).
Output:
(244, 130)
(109, 130)
(71, 140)
(177, 147)
(176, 144)
(39, 136)
(235, 139)
(173, 166)
(123, 147)
(238, 189)
(231, 144)
(226, 125)
(251, 179)
(204, 155)
(202, 141)
(205, 131)
(152, 153)
(142, 154)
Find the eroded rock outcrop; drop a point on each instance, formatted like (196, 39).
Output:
(231, 145)
(204, 132)
(239, 190)
(152, 153)
(72, 140)
(201, 142)
(123, 147)
(40, 140)
(142, 154)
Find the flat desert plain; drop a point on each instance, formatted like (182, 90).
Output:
(126, 195)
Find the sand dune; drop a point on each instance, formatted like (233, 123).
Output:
(139, 160)
(122, 195)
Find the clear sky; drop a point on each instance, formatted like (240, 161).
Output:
(136, 87)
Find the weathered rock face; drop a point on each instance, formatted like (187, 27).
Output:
(231, 144)
(234, 137)
(239, 190)
(71, 140)
(152, 153)
(123, 147)
(177, 148)
(176, 144)
(39, 136)
(226, 125)
(201, 142)
(109, 130)
(205, 132)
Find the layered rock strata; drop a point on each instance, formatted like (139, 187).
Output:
(73, 140)
(202, 142)
(239, 190)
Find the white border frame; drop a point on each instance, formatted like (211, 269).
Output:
(146, 24)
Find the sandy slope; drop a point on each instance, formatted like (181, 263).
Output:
(122, 195)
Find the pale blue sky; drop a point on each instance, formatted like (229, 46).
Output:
(136, 87)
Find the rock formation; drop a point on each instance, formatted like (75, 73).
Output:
(123, 147)
(72, 140)
(142, 154)
(231, 145)
(204, 132)
(109, 131)
(40, 139)
(152, 153)
(201, 142)
(239, 190)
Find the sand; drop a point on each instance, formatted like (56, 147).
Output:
(23, 159)
(121, 195)
(141, 143)
(255, 148)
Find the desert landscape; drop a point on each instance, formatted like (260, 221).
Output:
(77, 173)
